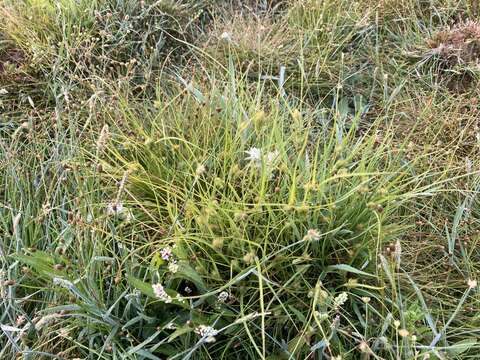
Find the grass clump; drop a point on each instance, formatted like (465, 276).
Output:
(270, 218)
(317, 43)
(458, 45)
(78, 44)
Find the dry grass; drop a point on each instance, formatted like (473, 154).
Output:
(458, 45)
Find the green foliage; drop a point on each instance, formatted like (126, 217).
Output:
(238, 180)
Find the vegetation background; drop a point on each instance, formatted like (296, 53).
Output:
(257, 179)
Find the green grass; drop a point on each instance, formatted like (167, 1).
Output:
(271, 180)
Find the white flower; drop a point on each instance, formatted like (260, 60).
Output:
(161, 294)
(312, 235)
(472, 284)
(340, 299)
(206, 332)
(254, 154)
(223, 296)
(166, 253)
(173, 266)
(200, 170)
(226, 36)
(188, 290)
(115, 208)
(3, 91)
(170, 326)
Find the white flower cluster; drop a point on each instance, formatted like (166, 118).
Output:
(206, 332)
(223, 296)
(161, 294)
(312, 235)
(114, 208)
(167, 254)
(173, 266)
(117, 209)
(263, 161)
(340, 300)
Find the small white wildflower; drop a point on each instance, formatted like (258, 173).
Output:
(206, 332)
(166, 253)
(161, 294)
(3, 91)
(472, 284)
(403, 332)
(187, 290)
(173, 266)
(114, 208)
(340, 300)
(170, 326)
(312, 235)
(223, 296)
(255, 155)
(226, 36)
(200, 170)
(366, 299)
